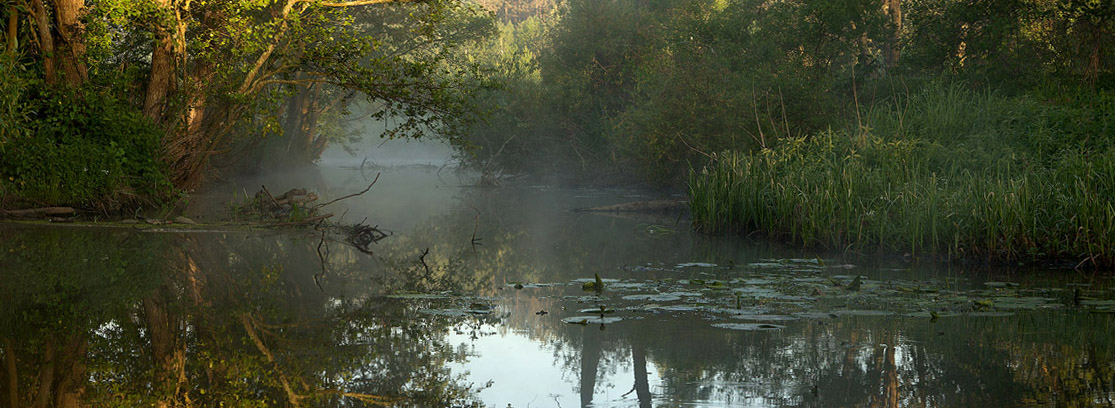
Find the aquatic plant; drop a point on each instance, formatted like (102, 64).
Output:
(948, 172)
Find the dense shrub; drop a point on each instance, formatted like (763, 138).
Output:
(79, 147)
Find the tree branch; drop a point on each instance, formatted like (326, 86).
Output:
(355, 3)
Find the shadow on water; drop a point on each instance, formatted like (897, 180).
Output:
(478, 298)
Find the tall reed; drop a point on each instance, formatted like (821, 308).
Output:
(951, 172)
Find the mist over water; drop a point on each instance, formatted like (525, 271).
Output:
(390, 152)
(698, 320)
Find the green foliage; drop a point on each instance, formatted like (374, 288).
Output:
(645, 89)
(949, 171)
(77, 147)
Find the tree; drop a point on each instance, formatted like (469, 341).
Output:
(219, 68)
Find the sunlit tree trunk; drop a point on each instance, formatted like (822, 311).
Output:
(161, 78)
(13, 30)
(71, 44)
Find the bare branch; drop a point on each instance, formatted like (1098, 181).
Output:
(351, 195)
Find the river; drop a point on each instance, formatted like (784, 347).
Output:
(505, 296)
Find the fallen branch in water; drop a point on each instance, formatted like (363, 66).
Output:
(302, 222)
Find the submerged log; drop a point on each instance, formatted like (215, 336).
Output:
(37, 212)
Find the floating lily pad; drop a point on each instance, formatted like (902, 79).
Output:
(930, 315)
(674, 308)
(765, 317)
(1099, 306)
(584, 299)
(1028, 303)
(591, 320)
(597, 310)
(695, 264)
(740, 311)
(630, 286)
(593, 280)
(815, 315)
(854, 312)
(661, 297)
(768, 265)
(749, 326)
(990, 314)
(1096, 303)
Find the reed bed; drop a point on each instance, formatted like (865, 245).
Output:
(947, 172)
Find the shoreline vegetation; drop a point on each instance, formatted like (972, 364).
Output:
(958, 129)
(948, 172)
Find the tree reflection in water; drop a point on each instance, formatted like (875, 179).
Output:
(120, 318)
(1061, 357)
(115, 318)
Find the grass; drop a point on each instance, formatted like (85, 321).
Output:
(946, 172)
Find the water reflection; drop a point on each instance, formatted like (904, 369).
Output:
(1041, 359)
(116, 317)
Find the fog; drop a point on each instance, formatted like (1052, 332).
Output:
(371, 149)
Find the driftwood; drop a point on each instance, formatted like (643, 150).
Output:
(37, 212)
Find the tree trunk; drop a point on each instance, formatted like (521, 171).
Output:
(893, 49)
(13, 30)
(45, 39)
(46, 376)
(70, 41)
(309, 138)
(162, 329)
(590, 363)
(70, 385)
(13, 378)
(161, 79)
(642, 385)
(295, 120)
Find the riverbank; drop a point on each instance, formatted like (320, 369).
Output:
(947, 172)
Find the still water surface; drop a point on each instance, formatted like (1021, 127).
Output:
(489, 296)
